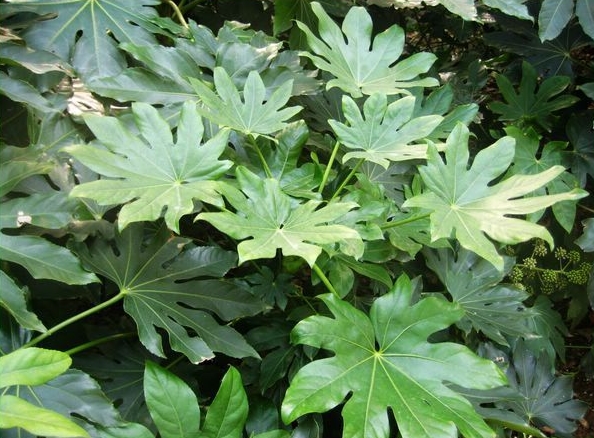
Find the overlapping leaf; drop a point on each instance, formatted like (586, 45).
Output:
(151, 173)
(465, 205)
(495, 309)
(274, 221)
(360, 66)
(386, 132)
(86, 33)
(528, 106)
(146, 275)
(254, 114)
(384, 361)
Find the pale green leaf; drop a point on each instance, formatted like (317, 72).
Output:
(465, 205)
(274, 221)
(51, 210)
(360, 66)
(462, 8)
(584, 10)
(128, 430)
(228, 411)
(171, 402)
(384, 361)
(553, 17)
(252, 113)
(149, 277)
(387, 133)
(44, 259)
(86, 34)
(150, 173)
(515, 8)
(16, 412)
(32, 366)
(13, 299)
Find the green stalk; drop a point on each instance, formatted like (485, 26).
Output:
(329, 167)
(99, 341)
(394, 224)
(253, 142)
(325, 280)
(348, 178)
(74, 319)
(178, 14)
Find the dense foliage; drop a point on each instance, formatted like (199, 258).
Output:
(346, 218)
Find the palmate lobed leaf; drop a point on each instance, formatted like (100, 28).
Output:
(151, 173)
(149, 277)
(358, 66)
(466, 206)
(386, 132)
(251, 113)
(86, 33)
(385, 361)
(274, 221)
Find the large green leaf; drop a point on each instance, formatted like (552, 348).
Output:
(385, 361)
(360, 66)
(148, 276)
(529, 106)
(547, 400)
(228, 411)
(18, 164)
(150, 172)
(548, 324)
(13, 299)
(274, 221)
(584, 11)
(20, 91)
(172, 403)
(464, 204)
(493, 308)
(73, 392)
(553, 17)
(386, 132)
(18, 413)
(86, 33)
(252, 113)
(580, 132)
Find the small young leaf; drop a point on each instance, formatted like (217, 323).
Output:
(171, 402)
(465, 204)
(360, 67)
(32, 366)
(228, 411)
(254, 114)
(16, 412)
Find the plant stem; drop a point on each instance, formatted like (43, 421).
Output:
(178, 14)
(74, 319)
(253, 142)
(329, 167)
(589, 210)
(348, 178)
(99, 341)
(325, 280)
(408, 220)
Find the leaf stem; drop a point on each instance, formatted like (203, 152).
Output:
(348, 178)
(99, 341)
(325, 280)
(178, 14)
(254, 143)
(408, 220)
(74, 319)
(589, 210)
(329, 167)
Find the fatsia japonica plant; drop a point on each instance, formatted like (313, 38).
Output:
(311, 226)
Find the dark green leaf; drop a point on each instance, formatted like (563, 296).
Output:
(13, 299)
(148, 276)
(547, 323)
(586, 240)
